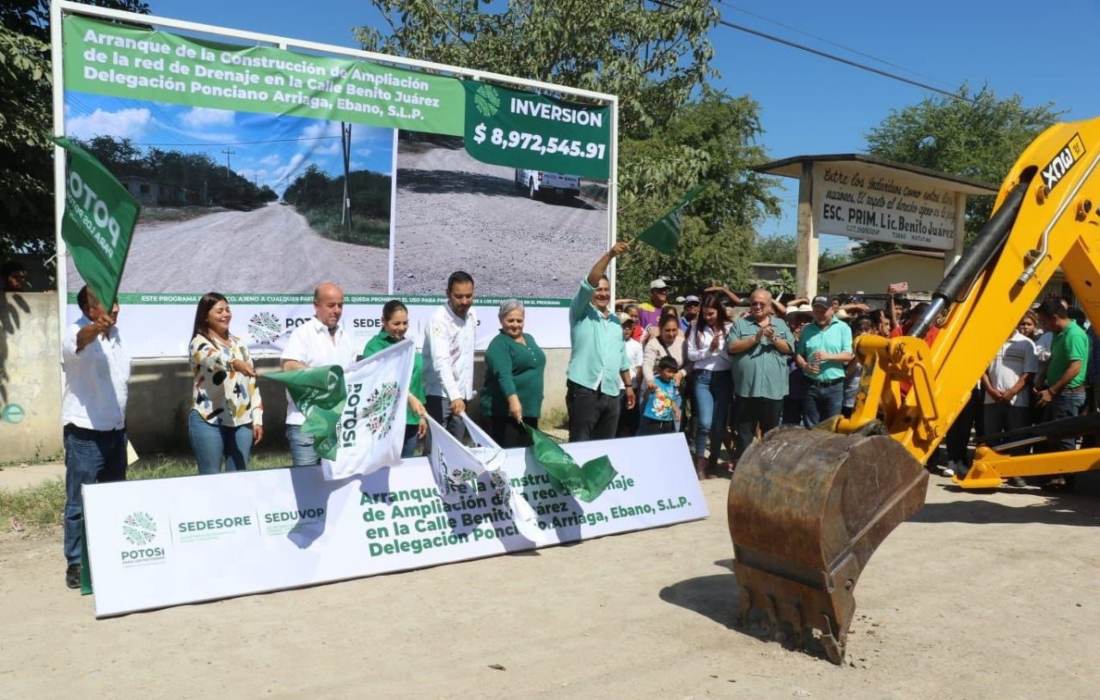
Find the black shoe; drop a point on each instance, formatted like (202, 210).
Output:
(72, 576)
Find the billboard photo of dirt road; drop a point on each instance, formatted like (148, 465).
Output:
(520, 233)
(240, 202)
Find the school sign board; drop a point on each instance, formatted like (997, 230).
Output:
(164, 542)
(863, 201)
(265, 165)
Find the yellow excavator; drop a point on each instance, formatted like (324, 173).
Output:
(808, 508)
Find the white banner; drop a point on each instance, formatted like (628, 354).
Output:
(873, 203)
(371, 431)
(162, 542)
(266, 327)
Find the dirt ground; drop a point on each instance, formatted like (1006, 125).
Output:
(977, 597)
(454, 212)
(239, 252)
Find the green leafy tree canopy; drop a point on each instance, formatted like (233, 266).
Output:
(978, 137)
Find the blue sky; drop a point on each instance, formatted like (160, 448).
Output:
(286, 145)
(808, 104)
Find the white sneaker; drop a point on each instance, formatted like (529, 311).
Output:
(949, 470)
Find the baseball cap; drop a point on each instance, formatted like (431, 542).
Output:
(658, 284)
(691, 299)
(821, 300)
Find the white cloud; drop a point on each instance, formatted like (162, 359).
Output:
(205, 117)
(288, 169)
(270, 161)
(322, 138)
(123, 124)
(363, 152)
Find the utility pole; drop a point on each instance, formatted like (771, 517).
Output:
(228, 152)
(345, 143)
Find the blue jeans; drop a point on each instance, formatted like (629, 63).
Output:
(91, 457)
(821, 402)
(712, 403)
(302, 453)
(212, 443)
(1064, 405)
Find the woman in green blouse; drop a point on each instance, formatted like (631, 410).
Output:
(514, 365)
(395, 323)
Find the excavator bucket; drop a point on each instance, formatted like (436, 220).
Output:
(807, 508)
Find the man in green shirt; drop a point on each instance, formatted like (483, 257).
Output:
(598, 358)
(1062, 390)
(824, 350)
(759, 343)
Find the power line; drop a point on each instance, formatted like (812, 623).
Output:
(825, 40)
(830, 56)
(240, 143)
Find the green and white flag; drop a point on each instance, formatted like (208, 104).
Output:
(356, 416)
(586, 482)
(319, 393)
(664, 233)
(457, 469)
(98, 223)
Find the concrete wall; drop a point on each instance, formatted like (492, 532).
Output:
(160, 391)
(922, 274)
(30, 378)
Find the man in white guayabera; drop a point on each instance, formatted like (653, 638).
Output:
(449, 355)
(319, 342)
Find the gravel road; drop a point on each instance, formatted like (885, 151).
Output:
(454, 212)
(267, 250)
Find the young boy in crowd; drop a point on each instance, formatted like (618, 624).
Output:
(662, 405)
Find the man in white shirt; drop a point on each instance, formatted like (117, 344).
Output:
(319, 342)
(1005, 384)
(449, 355)
(96, 366)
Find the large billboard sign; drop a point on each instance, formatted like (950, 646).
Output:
(263, 171)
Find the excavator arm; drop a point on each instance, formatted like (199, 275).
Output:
(807, 509)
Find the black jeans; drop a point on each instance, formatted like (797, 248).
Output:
(656, 427)
(751, 412)
(958, 436)
(508, 433)
(593, 415)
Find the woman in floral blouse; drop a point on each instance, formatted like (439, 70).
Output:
(226, 417)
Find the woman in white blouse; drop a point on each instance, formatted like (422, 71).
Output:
(226, 417)
(705, 347)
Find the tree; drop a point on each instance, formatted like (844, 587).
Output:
(775, 249)
(978, 137)
(651, 55)
(711, 141)
(26, 109)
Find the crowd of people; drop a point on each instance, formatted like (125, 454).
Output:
(722, 371)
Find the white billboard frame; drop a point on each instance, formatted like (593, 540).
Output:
(59, 8)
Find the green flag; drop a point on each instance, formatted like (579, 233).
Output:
(99, 221)
(664, 233)
(319, 393)
(586, 482)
